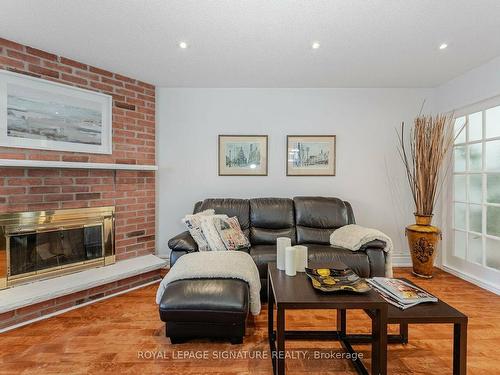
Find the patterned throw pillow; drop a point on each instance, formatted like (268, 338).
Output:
(231, 234)
(210, 232)
(193, 224)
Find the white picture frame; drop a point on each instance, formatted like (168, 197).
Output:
(40, 114)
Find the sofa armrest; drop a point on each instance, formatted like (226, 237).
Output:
(375, 244)
(183, 242)
(376, 256)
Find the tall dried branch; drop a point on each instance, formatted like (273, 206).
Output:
(424, 157)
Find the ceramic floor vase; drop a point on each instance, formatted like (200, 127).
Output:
(423, 240)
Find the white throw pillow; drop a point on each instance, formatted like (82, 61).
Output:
(210, 232)
(193, 224)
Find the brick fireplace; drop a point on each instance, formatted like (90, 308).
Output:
(130, 192)
(41, 244)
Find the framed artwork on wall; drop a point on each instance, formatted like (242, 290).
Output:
(242, 155)
(311, 155)
(40, 114)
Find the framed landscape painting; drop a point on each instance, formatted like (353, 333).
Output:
(40, 114)
(310, 155)
(242, 155)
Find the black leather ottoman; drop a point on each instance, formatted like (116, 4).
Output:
(205, 308)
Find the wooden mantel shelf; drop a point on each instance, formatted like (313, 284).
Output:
(74, 165)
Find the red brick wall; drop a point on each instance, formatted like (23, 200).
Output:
(132, 192)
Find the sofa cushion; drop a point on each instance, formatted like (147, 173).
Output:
(324, 255)
(273, 213)
(317, 217)
(271, 218)
(205, 300)
(263, 236)
(318, 255)
(230, 207)
(262, 255)
(320, 236)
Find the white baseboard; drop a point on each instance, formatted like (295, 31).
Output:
(472, 279)
(401, 260)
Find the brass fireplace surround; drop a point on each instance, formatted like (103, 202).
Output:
(24, 223)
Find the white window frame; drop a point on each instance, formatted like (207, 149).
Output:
(480, 274)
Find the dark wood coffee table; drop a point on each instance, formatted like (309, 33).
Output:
(426, 313)
(296, 293)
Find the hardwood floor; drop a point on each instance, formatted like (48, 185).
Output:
(119, 336)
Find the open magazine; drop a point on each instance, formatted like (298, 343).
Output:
(400, 293)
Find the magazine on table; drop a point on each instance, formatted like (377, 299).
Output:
(400, 293)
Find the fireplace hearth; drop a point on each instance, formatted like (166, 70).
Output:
(42, 244)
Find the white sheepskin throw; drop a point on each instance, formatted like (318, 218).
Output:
(216, 264)
(353, 237)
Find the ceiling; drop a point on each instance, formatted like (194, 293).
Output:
(265, 43)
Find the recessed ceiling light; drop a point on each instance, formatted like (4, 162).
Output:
(443, 46)
(183, 45)
(315, 45)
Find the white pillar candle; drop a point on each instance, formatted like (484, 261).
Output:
(290, 260)
(281, 244)
(301, 258)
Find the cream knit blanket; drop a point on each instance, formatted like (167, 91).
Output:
(216, 264)
(353, 237)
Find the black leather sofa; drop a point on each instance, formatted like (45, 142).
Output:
(307, 221)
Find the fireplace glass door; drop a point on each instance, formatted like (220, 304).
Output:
(36, 251)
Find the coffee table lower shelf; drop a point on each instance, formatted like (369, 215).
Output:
(433, 313)
(345, 341)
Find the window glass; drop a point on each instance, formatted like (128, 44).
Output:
(475, 218)
(475, 252)
(476, 126)
(460, 130)
(459, 248)
(460, 188)
(493, 156)
(493, 221)
(476, 157)
(493, 253)
(460, 211)
(493, 189)
(459, 156)
(476, 188)
(493, 122)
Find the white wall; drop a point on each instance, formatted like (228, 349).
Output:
(369, 172)
(472, 87)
